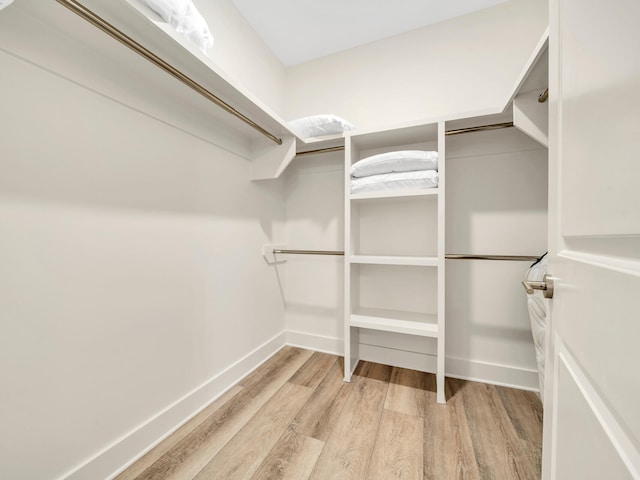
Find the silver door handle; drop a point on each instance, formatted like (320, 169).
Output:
(546, 285)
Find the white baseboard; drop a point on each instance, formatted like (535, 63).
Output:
(126, 450)
(464, 369)
(494, 374)
(317, 343)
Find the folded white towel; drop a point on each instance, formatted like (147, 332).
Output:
(417, 179)
(401, 161)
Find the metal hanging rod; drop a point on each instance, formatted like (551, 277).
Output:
(495, 126)
(320, 150)
(544, 96)
(124, 39)
(512, 258)
(480, 128)
(451, 256)
(309, 252)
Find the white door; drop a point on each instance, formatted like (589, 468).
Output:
(592, 398)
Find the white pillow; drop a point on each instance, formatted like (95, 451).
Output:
(184, 17)
(319, 125)
(413, 180)
(402, 161)
(169, 10)
(5, 3)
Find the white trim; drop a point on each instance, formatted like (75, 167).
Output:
(464, 369)
(115, 458)
(607, 420)
(620, 265)
(461, 368)
(317, 343)
(493, 373)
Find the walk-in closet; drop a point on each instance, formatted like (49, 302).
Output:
(258, 240)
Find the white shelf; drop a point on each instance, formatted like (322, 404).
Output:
(422, 324)
(532, 117)
(38, 31)
(394, 194)
(395, 260)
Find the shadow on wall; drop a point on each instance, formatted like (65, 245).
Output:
(67, 144)
(314, 194)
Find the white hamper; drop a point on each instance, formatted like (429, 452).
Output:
(537, 306)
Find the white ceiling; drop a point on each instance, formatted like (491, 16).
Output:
(301, 30)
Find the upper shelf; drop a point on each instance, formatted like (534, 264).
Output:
(530, 115)
(394, 194)
(52, 37)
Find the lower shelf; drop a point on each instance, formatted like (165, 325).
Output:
(425, 325)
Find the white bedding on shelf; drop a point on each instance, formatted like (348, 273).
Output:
(418, 179)
(185, 18)
(400, 161)
(320, 125)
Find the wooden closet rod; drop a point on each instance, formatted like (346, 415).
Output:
(480, 128)
(113, 32)
(452, 256)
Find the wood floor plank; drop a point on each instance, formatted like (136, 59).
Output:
(320, 414)
(273, 367)
(397, 453)
(244, 453)
(373, 371)
(313, 371)
(525, 413)
(292, 458)
(196, 449)
(407, 392)
(498, 451)
(165, 446)
(448, 451)
(347, 452)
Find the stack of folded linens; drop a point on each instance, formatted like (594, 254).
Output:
(406, 169)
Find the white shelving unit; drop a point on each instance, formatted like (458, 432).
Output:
(394, 250)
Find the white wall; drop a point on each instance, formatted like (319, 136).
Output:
(240, 52)
(466, 64)
(314, 210)
(131, 277)
(496, 204)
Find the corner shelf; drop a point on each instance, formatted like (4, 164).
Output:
(422, 324)
(394, 194)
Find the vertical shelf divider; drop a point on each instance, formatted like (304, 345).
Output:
(440, 361)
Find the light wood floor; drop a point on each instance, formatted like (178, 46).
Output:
(294, 418)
